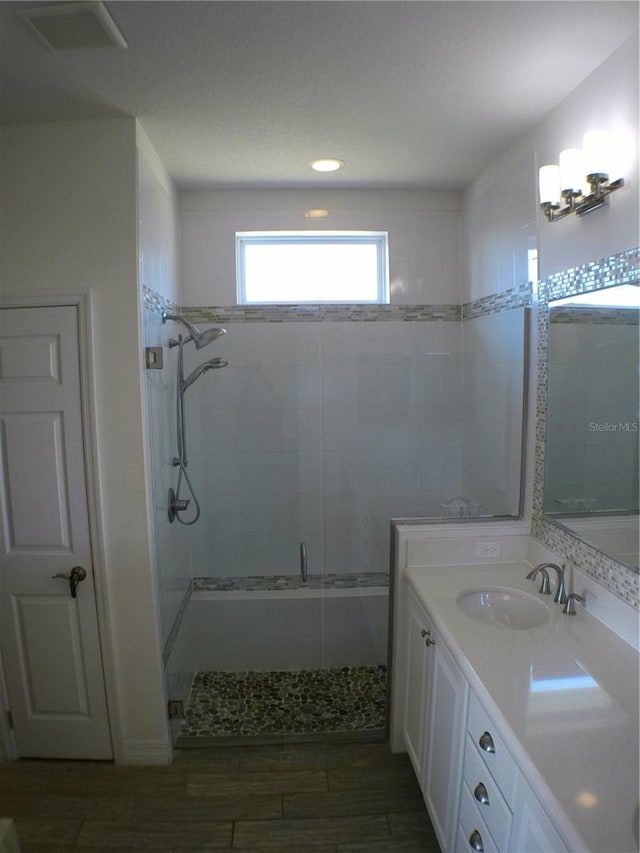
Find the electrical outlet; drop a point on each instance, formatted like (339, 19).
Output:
(488, 549)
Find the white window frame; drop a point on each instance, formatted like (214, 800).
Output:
(379, 239)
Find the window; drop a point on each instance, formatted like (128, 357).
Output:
(311, 266)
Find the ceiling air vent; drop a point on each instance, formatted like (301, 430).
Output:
(72, 26)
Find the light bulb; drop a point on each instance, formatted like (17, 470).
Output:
(549, 184)
(572, 172)
(595, 147)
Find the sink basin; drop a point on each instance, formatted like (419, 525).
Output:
(502, 607)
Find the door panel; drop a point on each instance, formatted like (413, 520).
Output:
(54, 684)
(35, 499)
(49, 638)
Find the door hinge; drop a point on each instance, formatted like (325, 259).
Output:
(10, 719)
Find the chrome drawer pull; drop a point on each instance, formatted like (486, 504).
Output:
(481, 795)
(475, 840)
(486, 742)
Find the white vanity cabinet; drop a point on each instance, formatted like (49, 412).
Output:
(447, 711)
(435, 713)
(420, 654)
(498, 810)
(477, 797)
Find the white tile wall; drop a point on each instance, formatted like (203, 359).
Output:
(366, 426)
(424, 239)
(493, 392)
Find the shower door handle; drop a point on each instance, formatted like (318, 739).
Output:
(303, 562)
(77, 574)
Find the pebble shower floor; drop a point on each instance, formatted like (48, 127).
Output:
(267, 704)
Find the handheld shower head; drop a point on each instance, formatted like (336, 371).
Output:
(200, 339)
(202, 368)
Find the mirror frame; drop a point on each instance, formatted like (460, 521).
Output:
(622, 268)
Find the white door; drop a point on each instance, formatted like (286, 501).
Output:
(49, 639)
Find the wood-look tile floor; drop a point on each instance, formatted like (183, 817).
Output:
(316, 797)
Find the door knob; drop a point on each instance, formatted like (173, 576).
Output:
(77, 574)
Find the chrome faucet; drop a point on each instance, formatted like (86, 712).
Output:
(545, 588)
(561, 592)
(570, 608)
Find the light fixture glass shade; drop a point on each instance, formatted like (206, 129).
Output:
(572, 173)
(595, 147)
(549, 184)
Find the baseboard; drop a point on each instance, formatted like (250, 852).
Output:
(146, 752)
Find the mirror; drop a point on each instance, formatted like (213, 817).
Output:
(591, 461)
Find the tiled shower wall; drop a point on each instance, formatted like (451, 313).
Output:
(321, 432)
(330, 421)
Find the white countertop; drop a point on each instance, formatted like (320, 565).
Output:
(564, 697)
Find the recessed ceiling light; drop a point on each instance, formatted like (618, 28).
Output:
(73, 26)
(327, 164)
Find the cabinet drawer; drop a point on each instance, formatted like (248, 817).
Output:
(494, 811)
(473, 833)
(499, 761)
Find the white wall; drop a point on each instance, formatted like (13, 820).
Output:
(157, 242)
(424, 240)
(494, 244)
(69, 221)
(501, 218)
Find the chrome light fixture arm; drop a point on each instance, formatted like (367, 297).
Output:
(580, 204)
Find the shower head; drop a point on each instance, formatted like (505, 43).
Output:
(200, 339)
(212, 364)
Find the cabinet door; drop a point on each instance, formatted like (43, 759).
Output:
(447, 710)
(419, 656)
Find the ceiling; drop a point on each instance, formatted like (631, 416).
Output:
(420, 94)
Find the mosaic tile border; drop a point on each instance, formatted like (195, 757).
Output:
(596, 316)
(623, 268)
(278, 583)
(156, 303)
(514, 297)
(319, 313)
(324, 314)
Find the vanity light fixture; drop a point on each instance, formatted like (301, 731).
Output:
(316, 213)
(326, 164)
(581, 179)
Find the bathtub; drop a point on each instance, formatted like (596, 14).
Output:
(280, 622)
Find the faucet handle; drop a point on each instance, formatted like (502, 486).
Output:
(570, 607)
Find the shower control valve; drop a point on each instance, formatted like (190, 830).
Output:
(176, 505)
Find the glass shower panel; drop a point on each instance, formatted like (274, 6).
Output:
(494, 369)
